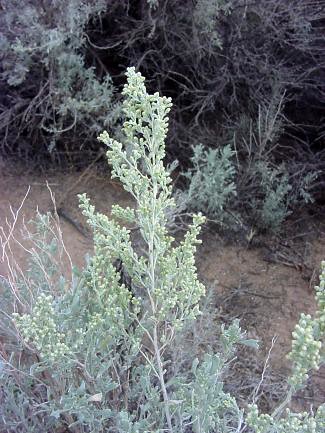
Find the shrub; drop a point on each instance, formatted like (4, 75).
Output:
(214, 188)
(244, 53)
(94, 354)
(251, 189)
(211, 181)
(278, 196)
(55, 95)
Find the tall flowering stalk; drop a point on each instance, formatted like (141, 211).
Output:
(163, 275)
(307, 353)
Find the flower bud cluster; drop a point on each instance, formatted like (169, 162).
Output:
(320, 298)
(179, 286)
(40, 329)
(320, 418)
(307, 339)
(126, 214)
(140, 164)
(305, 352)
(260, 423)
(108, 299)
(290, 423)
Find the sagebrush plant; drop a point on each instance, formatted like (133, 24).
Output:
(271, 206)
(277, 194)
(307, 353)
(218, 190)
(268, 190)
(43, 49)
(95, 353)
(102, 348)
(242, 182)
(206, 14)
(211, 184)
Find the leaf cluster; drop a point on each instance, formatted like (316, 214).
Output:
(55, 91)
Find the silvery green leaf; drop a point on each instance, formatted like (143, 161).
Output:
(250, 343)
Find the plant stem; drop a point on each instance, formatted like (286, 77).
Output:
(161, 378)
(152, 275)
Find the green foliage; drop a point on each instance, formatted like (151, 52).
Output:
(203, 400)
(95, 353)
(43, 48)
(42, 33)
(293, 422)
(308, 350)
(206, 15)
(215, 189)
(307, 353)
(272, 207)
(275, 194)
(211, 181)
(246, 185)
(20, 406)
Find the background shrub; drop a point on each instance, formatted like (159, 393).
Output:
(247, 187)
(56, 101)
(211, 182)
